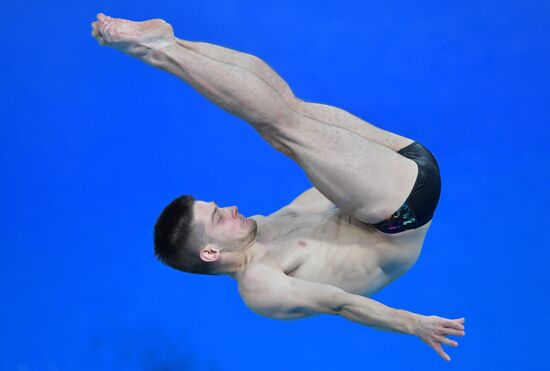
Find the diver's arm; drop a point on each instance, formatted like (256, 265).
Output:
(430, 329)
(271, 293)
(374, 314)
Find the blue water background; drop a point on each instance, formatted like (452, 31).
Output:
(93, 144)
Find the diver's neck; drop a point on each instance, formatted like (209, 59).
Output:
(253, 252)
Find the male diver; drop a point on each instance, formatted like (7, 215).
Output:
(359, 228)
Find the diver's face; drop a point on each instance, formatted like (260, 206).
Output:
(224, 223)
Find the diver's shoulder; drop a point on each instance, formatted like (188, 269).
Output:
(258, 272)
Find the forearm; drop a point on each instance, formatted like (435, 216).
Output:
(240, 83)
(377, 315)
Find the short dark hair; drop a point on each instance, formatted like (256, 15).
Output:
(178, 237)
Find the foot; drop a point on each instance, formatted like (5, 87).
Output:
(138, 39)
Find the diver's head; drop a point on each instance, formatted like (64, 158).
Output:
(198, 237)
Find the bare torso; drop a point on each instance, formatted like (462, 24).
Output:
(334, 248)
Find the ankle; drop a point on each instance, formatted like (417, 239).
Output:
(156, 55)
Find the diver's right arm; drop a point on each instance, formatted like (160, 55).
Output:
(271, 293)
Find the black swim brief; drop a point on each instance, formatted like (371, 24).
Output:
(420, 206)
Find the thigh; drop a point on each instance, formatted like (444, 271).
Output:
(362, 177)
(345, 119)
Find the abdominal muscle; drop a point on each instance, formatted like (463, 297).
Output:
(334, 248)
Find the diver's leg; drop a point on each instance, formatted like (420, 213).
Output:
(360, 176)
(364, 178)
(318, 111)
(343, 118)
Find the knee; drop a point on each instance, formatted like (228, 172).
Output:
(275, 139)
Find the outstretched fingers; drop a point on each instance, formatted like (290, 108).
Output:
(448, 331)
(455, 327)
(449, 342)
(434, 331)
(439, 349)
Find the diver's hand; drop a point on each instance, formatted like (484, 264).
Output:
(433, 331)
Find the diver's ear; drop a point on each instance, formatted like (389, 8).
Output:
(210, 253)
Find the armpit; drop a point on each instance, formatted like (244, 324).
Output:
(271, 293)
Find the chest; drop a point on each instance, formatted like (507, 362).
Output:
(331, 248)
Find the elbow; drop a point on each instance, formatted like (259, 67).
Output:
(341, 300)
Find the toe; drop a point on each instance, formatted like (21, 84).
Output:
(107, 33)
(101, 27)
(98, 38)
(95, 31)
